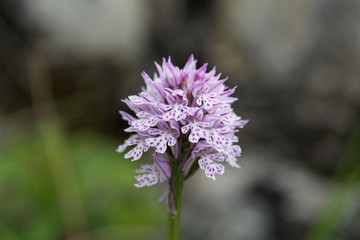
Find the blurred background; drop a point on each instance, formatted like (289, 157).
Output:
(65, 65)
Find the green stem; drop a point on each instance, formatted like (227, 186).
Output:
(176, 187)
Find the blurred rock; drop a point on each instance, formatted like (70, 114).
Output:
(91, 29)
(269, 198)
(278, 32)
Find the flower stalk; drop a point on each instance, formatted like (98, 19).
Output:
(176, 187)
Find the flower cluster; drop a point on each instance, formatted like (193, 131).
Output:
(186, 116)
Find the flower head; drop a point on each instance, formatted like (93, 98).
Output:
(186, 116)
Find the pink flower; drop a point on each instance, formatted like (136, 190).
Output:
(185, 111)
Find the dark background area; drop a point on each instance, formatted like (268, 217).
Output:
(65, 66)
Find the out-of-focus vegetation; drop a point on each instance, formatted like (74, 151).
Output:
(113, 208)
(332, 222)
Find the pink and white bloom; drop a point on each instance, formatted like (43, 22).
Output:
(186, 116)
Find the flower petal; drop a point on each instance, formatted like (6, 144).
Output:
(211, 168)
(137, 151)
(161, 142)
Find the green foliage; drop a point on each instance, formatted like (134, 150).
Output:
(31, 201)
(328, 225)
